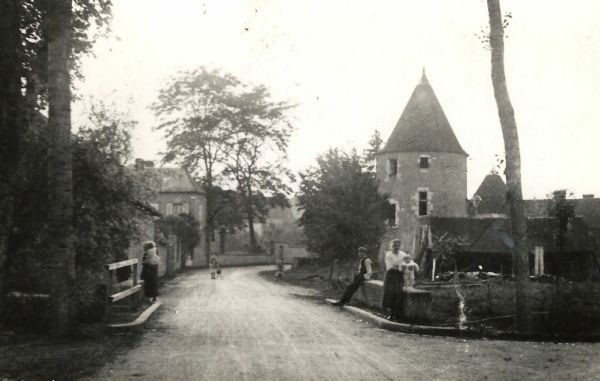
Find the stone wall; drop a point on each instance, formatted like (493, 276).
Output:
(416, 303)
(370, 293)
(244, 260)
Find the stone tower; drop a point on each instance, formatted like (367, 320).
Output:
(422, 166)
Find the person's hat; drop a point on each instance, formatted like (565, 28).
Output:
(149, 245)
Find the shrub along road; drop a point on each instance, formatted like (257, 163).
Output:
(244, 327)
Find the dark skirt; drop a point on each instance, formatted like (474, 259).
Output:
(392, 290)
(150, 277)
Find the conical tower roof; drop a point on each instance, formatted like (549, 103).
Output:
(423, 126)
(493, 195)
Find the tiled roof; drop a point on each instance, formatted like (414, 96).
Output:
(493, 195)
(491, 235)
(423, 126)
(493, 200)
(175, 180)
(586, 208)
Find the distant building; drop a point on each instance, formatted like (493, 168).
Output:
(178, 193)
(423, 169)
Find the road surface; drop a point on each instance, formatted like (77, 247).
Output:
(244, 327)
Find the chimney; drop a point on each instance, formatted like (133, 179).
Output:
(560, 194)
(588, 195)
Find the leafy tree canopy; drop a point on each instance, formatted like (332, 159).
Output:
(342, 207)
(184, 226)
(226, 132)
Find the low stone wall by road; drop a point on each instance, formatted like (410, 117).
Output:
(244, 260)
(370, 293)
(416, 304)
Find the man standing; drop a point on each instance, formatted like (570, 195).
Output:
(364, 273)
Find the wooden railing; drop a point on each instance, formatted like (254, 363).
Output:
(135, 289)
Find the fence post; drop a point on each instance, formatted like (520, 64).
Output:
(135, 274)
(107, 305)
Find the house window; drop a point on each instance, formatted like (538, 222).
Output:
(424, 162)
(169, 209)
(423, 204)
(181, 208)
(390, 213)
(538, 258)
(392, 167)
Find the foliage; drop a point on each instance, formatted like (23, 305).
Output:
(25, 72)
(90, 20)
(256, 153)
(290, 233)
(106, 198)
(445, 249)
(370, 153)
(184, 226)
(563, 211)
(228, 210)
(216, 125)
(342, 207)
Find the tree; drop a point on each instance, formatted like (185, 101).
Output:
(564, 212)
(217, 125)
(256, 153)
(27, 39)
(61, 256)
(106, 197)
(343, 209)
(514, 193)
(106, 207)
(370, 153)
(185, 227)
(195, 111)
(228, 209)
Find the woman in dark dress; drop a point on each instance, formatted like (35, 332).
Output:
(150, 264)
(393, 281)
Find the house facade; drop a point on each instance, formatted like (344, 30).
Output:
(177, 193)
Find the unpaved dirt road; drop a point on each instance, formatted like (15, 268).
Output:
(244, 327)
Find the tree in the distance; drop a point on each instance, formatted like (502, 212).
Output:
(216, 125)
(370, 153)
(256, 155)
(185, 227)
(343, 209)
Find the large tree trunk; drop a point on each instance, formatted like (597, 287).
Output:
(250, 216)
(514, 193)
(253, 241)
(61, 260)
(11, 129)
(209, 220)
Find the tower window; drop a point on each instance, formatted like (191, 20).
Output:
(423, 204)
(390, 213)
(392, 167)
(424, 162)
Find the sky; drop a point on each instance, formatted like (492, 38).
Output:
(351, 66)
